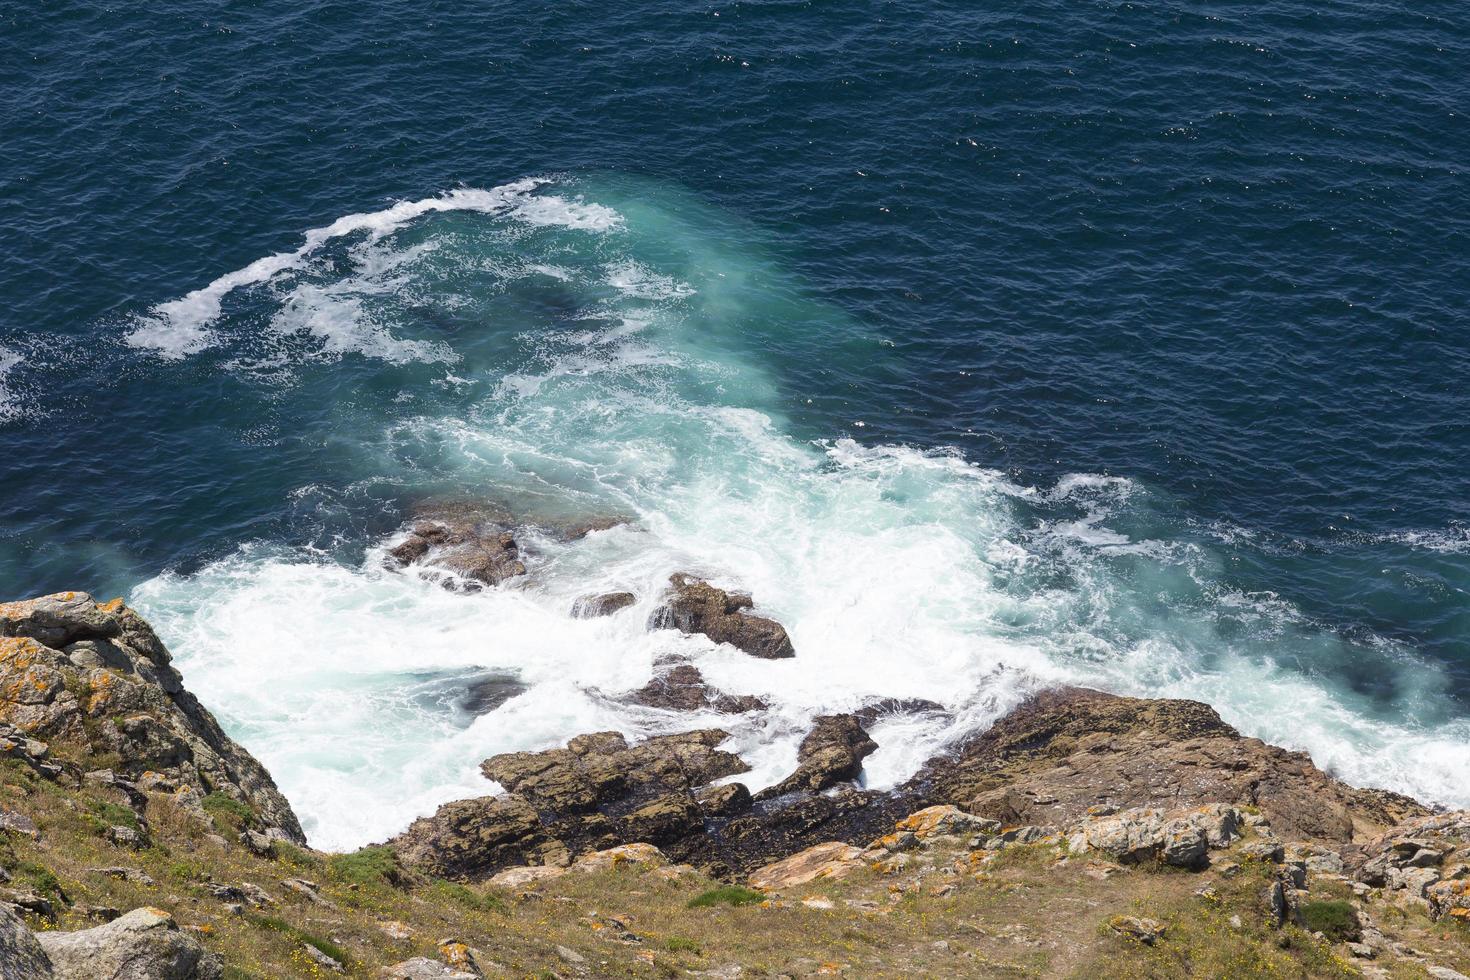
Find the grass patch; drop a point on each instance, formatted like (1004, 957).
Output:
(678, 944)
(114, 815)
(368, 866)
(1334, 919)
(457, 894)
(727, 895)
(285, 928)
(288, 853)
(39, 876)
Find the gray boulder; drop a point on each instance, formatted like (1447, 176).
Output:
(145, 944)
(21, 955)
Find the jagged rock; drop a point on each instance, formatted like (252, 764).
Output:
(695, 606)
(832, 752)
(145, 944)
(108, 686)
(594, 606)
(665, 819)
(1422, 860)
(471, 837)
(21, 955)
(945, 821)
(25, 900)
(1068, 749)
(328, 963)
(19, 823)
(682, 688)
(125, 874)
(466, 540)
(830, 860)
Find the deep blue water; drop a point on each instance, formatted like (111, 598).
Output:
(1218, 253)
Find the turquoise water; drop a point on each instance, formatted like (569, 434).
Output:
(1113, 344)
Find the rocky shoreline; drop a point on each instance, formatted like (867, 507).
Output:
(89, 702)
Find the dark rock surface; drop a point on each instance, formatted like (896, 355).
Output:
(682, 688)
(832, 752)
(695, 606)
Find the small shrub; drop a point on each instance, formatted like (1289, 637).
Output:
(727, 895)
(678, 944)
(451, 891)
(368, 866)
(1334, 919)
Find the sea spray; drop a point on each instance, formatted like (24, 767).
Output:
(590, 349)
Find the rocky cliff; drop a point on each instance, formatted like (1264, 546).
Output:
(1084, 834)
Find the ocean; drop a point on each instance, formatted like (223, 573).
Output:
(1118, 344)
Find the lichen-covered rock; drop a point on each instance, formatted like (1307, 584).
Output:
(96, 677)
(829, 860)
(423, 968)
(832, 752)
(145, 944)
(695, 606)
(21, 955)
(472, 837)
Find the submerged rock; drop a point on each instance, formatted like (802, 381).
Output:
(695, 606)
(595, 606)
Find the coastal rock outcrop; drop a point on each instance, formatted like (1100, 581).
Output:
(96, 681)
(469, 542)
(695, 606)
(597, 792)
(1069, 749)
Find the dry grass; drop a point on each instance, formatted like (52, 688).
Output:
(947, 914)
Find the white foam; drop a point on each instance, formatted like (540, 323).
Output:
(9, 402)
(181, 327)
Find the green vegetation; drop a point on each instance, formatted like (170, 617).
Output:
(368, 866)
(113, 815)
(678, 944)
(458, 894)
(1334, 919)
(228, 813)
(285, 928)
(727, 895)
